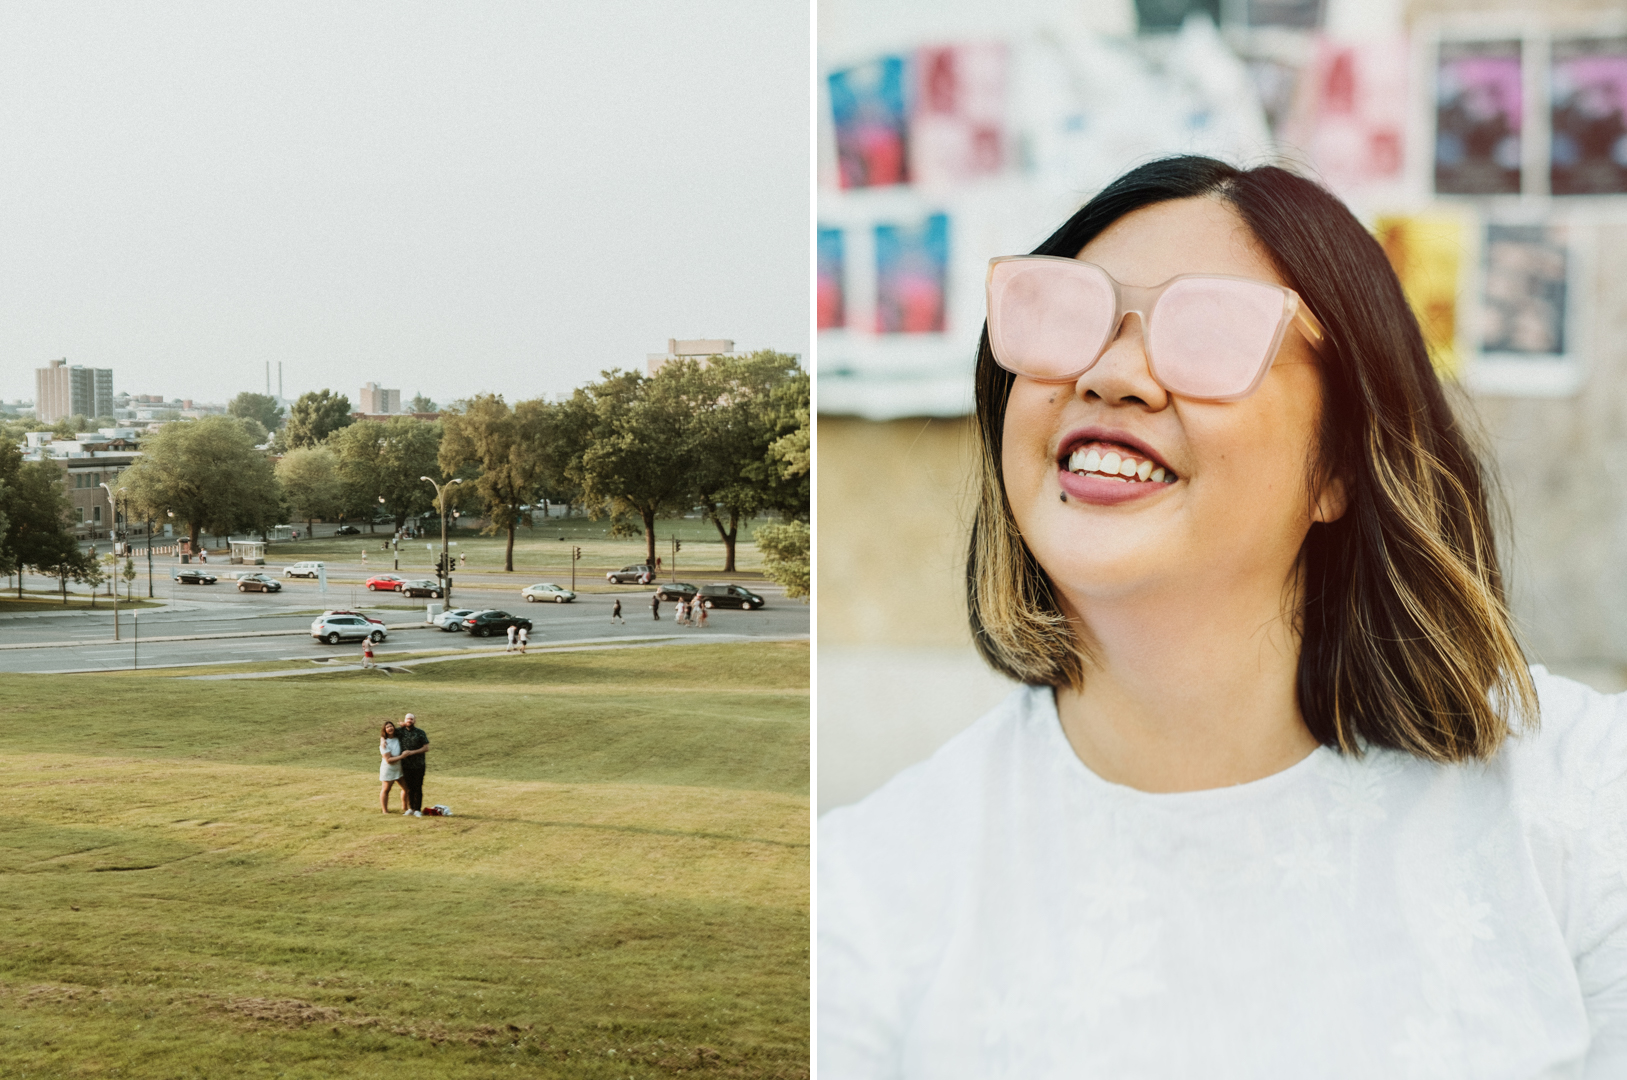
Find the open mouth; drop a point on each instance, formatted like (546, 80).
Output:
(1114, 461)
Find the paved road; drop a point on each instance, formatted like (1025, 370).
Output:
(277, 626)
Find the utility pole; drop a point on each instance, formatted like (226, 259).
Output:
(149, 559)
(576, 553)
(676, 545)
(115, 530)
(446, 562)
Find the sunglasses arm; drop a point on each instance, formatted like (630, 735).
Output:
(1308, 324)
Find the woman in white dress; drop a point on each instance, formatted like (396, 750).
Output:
(1279, 796)
(389, 763)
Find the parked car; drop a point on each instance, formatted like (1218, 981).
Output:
(186, 575)
(487, 623)
(387, 582)
(453, 620)
(308, 569)
(677, 590)
(419, 587)
(347, 530)
(347, 626)
(641, 573)
(258, 583)
(547, 590)
(730, 596)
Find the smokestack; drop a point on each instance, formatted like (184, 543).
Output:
(268, 378)
(279, 380)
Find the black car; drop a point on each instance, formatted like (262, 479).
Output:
(730, 596)
(186, 575)
(638, 573)
(487, 623)
(676, 590)
(347, 530)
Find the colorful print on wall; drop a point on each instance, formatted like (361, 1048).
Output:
(1426, 253)
(1352, 115)
(868, 106)
(1478, 118)
(912, 268)
(957, 131)
(1524, 294)
(831, 294)
(1588, 96)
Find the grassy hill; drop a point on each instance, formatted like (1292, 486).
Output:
(196, 880)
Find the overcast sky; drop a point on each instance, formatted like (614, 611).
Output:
(441, 197)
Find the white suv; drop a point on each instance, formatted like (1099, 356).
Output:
(304, 569)
(347, 627)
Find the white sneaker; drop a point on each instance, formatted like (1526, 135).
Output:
(417, 813)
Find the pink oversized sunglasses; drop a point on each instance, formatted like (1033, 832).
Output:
(1208, 336)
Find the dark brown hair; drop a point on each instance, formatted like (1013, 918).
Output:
(387, 724)
(1406, 640)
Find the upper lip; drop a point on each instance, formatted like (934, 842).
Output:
(1080, 436)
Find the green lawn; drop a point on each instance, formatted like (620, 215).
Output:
(539, 549)
(195, 879)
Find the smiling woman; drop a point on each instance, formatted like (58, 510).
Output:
(1275, 800)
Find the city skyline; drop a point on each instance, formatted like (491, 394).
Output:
(490, 199)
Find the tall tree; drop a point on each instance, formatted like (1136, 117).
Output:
(507, 445)
(311, 485)
(736, 474)
(208, 474)
(35, 503)
(315, 416)
(420, 403)
(388, 459)
(636, 449)
(261, 407)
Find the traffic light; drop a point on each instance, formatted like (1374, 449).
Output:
(576, 553)
(677, 545)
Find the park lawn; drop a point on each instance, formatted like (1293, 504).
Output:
(195, 879)
(37, 601)
(539, 549)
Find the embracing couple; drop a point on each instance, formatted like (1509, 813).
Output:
(402, 750)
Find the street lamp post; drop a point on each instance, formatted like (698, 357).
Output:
(395, 541)
(114, 508)
(446, 566)
(149, 559)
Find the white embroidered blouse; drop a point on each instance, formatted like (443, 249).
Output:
(1001, 911)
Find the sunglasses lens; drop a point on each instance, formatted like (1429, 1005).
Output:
(1211, 338)
(1048, 318)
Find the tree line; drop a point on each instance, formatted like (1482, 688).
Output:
(730, 435)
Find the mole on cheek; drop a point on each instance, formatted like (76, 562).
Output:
(1052, 399)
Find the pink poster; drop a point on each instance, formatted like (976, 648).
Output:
(1351, 119)
(957, 128)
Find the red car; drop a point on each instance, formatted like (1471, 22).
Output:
(387, 582)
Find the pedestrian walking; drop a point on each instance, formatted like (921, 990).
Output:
(615, 612)
(655, 606)
(367, 654)
(682, 614)
(700, 613)
(524, 636)
(463, 561)
(512, 629)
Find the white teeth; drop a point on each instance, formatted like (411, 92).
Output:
(1115, 466)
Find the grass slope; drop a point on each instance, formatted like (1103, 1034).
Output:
(195, 879)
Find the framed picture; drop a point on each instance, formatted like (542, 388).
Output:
(869, 110)
(1528, 318)
(1587, 95)
(1479, 117)
(1427, 253)
(957, 132)
(832, 297)
(912, 269)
